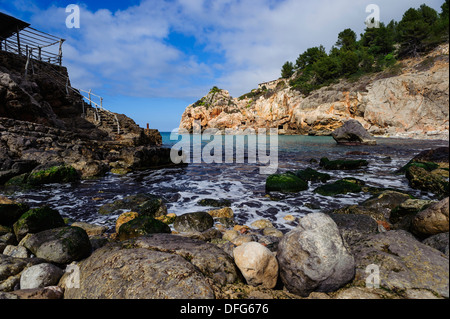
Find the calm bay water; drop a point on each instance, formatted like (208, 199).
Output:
(183, 187)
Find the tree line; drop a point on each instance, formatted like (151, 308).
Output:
(419, 31)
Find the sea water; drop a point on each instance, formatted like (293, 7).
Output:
(241, 183)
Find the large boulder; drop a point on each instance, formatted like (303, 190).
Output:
(433, 220)
(353, 133)
(61, 245)
(422, 179)
(403, 262)
(49, 173)
(11, 269)
(439, 242)
(313, 257)
(257, 263)
(37, 220)
(130, 272)
(342, 186)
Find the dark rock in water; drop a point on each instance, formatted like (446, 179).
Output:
(285, 183)
(141, 226)
(422, 179)
(214, 202)
(193, 222)
(438, 155)
(127, 271)
(312, 175)
(144, 204)
(37, 220)
(342, 186)
(342, 164)
(53, 174)
(353, 133)
(403, 263)
(61, 245)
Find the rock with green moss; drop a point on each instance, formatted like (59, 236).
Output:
(311, 175)
(54, 174)
(144, 204)
(402, 215)
(342, 164)
(342, 186)
(37, 220)
(61, 245)
(420, 178)
(285, 183)
(142, 226)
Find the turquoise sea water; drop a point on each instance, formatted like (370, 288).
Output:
(242, 183)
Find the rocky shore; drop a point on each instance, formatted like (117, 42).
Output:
(410, 100)
(391, 246)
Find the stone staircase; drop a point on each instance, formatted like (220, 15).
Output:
(104, 120)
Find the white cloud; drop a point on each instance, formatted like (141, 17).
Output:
(129, 50)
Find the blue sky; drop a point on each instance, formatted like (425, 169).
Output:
(150, 59)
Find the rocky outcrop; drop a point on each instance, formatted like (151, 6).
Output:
(42, 121)
(353, 133)
(409, 101)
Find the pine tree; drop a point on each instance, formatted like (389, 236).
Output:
(287, 70)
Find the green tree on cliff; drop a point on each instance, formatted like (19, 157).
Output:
(287, 70)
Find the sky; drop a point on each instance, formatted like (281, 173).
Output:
(150, 59)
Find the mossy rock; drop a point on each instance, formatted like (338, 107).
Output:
(214, 202)
(285, 183)
(193, 222)
(10, 213)
(420, 178)
(142, 226)
(429, 166)
(37, 220)
(54, 174)
(338, 187)
(312, 175)
(342, 164)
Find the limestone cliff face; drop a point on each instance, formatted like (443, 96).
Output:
(410, 101)
(42, 122)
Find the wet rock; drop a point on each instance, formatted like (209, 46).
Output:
(285, 183)
(193, 222)
(225, 212)
(422, 179)
(385, 202)
(141, 226)
(144, 204)
(342, 186)
(439, 155)
(91, 229)
(53, 174)
(257, 264)
(11, 269)
(37, 220)
(214, 202)
(403, 261)
(16, 251)
(40, 276)
(312, 175)
(59, 245)
(342, 164)
(433, 220)
(125, 218)
(47, 293)
(313, 257)
(353, 133)
(261, 224)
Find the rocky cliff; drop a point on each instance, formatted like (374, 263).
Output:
(41, 121)
(410, 99)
